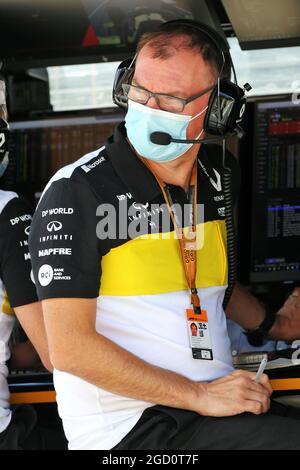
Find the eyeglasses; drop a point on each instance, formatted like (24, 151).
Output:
(169, 103)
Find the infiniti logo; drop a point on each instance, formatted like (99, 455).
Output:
(139, 206)
(54, 226)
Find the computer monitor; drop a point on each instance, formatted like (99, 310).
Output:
(275, 214)
(269, 23)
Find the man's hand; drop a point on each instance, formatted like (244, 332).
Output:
(249, 312)
(287, 324)
(235, 394)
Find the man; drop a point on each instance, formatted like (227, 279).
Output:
(194, 329)
(115, 307)
(18, 297)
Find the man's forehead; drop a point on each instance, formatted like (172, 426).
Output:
(180, 71)
(188, 56)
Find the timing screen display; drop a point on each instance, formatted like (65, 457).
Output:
(275, 250)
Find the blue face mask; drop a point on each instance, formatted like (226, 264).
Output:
(142, 120)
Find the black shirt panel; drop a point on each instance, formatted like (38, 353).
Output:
(211, 180)
(15, 263)
(66, 254)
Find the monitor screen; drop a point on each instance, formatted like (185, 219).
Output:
(265, 23)
(275, 225)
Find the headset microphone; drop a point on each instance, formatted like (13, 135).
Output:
(163, 138)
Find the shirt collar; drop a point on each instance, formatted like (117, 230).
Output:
(132, 171)
(134, 174)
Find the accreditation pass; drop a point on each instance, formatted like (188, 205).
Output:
(199, 336)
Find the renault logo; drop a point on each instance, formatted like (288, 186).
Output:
(54, 226)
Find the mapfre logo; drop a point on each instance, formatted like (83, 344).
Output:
(45, 275)
(54, 226)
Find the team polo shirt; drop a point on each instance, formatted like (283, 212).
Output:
(16, 285)
(138, 280)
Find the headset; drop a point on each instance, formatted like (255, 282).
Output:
(227, 101)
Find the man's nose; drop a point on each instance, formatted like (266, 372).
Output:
(152, 103)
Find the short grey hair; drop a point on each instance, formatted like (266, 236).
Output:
(191, 39)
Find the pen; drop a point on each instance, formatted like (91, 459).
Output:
(261, 368)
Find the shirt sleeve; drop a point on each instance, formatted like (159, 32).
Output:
(15, 258)
(65, 251)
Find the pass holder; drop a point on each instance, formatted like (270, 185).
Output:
(199, 336)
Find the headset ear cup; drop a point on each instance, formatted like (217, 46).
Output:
(123, 74)
(207, 124)
(225, 109)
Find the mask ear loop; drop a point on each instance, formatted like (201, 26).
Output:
(199, 114)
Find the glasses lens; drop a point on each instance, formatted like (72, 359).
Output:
(165, 102)
(168, 103)
(135, 93)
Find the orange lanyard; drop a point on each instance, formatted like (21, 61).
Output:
(187, 243)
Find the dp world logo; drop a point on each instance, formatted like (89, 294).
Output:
(54, 226)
